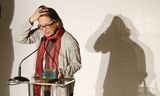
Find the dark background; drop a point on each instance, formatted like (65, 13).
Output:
(6, 45)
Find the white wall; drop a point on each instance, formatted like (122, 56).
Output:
(87, 20)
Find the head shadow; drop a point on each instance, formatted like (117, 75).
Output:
(123, 61)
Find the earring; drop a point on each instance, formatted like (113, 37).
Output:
(57, 25)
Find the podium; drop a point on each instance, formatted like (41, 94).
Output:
(54, 86)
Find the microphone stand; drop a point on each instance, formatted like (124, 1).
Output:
(20, 78)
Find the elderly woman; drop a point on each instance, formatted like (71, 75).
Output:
(58, 51)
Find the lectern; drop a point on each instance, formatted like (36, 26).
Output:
(54, 85)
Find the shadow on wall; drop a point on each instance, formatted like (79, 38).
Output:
(122, 63)
(6, 45)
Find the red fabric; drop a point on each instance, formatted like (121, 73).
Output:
(37, 90)
(54, 52)
(52, 62)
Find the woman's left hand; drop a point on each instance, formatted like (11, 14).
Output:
(60, 73)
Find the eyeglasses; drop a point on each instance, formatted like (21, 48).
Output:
(47, 26)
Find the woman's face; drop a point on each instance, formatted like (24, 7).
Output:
(47, 25)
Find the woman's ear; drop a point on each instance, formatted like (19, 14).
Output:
(58, 23)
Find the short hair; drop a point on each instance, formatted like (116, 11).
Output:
(52, 14)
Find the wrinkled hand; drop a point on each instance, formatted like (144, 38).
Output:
(60, 73)
(40, 11)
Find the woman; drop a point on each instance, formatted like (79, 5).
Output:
(58, 51)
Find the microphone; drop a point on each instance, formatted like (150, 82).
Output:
(18, 79)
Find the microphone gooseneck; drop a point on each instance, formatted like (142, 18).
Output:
(19, 68)
(18, 79)
(49, 55)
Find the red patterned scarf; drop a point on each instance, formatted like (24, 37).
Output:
(54, 51)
